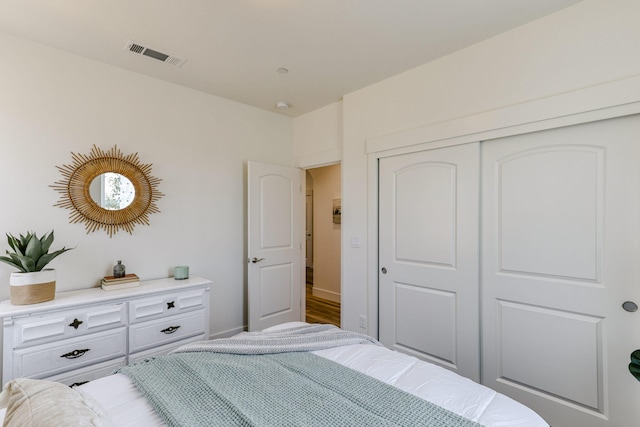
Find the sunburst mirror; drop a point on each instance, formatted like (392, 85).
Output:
(108, 190)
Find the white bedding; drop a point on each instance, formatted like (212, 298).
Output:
(126, 406)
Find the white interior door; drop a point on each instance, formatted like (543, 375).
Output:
(428, 255)
(561, 254)
(274, 245)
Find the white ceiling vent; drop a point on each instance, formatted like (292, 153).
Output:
(134, 47)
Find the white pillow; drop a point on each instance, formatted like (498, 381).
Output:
(40, 403)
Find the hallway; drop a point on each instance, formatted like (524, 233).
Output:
(320, 310)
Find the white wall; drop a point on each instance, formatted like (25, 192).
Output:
(53, 103)
(326, 234)
(590, 43)
(318, 137)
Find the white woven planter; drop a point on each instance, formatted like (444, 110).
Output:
(32, 288)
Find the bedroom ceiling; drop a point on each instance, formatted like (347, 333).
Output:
(235, 48)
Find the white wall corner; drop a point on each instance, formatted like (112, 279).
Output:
(324, 158)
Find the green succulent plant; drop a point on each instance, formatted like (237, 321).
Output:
(634, 366)
(30, 252)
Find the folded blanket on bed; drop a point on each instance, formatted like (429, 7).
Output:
(301, 338)
(285, 389)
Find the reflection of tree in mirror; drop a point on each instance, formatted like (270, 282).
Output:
(118, 191)
(82, 190)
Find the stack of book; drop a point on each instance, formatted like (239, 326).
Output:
(111, 283)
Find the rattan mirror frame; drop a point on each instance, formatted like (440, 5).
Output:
(74, 190)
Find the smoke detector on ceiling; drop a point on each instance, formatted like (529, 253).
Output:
(140, 49)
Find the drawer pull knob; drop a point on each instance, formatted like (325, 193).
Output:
(78, 384)
(171, 304)
(75, 354)
(170, 329)
(76, 323)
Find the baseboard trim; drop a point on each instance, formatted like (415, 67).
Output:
(328, 295)
(228, 333)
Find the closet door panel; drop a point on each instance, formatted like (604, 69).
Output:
(428, 256)
(418, 305)
(575, 334)
(551, 194)
(560, 254)
(426, 191)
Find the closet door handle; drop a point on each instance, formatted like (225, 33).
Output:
(255, 260)
(630, 306)
(170, 329)
(75, 354)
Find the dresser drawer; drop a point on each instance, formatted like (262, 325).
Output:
(163, 349)
(77, 377)
(168, 304)
(163, 331)
(33, 330)
(48, 359)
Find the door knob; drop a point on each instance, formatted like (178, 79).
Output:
(384, 270)
(254, 259)
(630, 306)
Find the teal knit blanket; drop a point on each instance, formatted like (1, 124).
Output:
(285, 389)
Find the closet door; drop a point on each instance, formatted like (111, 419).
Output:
(428, 252)
(561, 254)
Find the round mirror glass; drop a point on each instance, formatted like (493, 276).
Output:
(112, 191)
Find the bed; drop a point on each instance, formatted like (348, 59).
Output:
(341, 378)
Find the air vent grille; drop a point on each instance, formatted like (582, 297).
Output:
(136, 48)
(140, 49)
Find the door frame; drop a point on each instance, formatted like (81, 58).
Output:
(605, 101)
(308, 193)
(308, 164)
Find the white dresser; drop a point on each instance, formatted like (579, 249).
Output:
(83, 335)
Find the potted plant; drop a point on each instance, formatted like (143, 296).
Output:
(33, 283)
(634, 366)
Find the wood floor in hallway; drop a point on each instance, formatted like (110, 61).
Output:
(320, 310)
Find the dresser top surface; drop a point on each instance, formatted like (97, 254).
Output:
(98, 295)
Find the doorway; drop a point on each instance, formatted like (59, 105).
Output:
(323, 240)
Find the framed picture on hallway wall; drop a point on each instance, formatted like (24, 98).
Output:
(337, 211)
